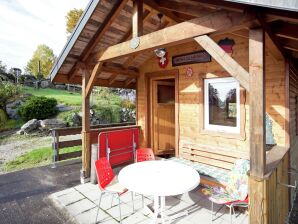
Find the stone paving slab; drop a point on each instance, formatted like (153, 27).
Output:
(81, 203)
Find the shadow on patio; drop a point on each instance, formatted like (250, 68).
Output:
(80, 202)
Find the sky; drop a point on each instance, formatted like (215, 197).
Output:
(24, 24)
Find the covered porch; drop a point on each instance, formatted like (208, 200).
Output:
(113, 46)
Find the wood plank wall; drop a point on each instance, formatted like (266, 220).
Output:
(269, 198)
(293, 123)
(190, 101)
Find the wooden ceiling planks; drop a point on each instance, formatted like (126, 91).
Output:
(110, 25)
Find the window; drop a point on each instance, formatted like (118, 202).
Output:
(222, 105)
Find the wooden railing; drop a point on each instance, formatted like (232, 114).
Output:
(57, 144)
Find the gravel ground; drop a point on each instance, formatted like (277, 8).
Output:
(13, 145)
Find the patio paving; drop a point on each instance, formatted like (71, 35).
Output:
(80, 202)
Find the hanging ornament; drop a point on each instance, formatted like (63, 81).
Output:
(227, 45)
(189, 71)
(162, 57)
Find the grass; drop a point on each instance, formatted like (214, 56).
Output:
(11, 124)
(62, 96)
(34, 158)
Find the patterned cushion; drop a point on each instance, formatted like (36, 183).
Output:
(236, 188)
(218, 195)
(218, 174)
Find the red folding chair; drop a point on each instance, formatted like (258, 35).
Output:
(145, 154)
(108, 183)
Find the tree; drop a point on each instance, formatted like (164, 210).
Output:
(72, 18)
(43, 55)
(2, 68)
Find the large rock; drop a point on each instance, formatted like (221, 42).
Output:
(60, 87)
(13, 107)
(29, 127)
(45, 83)
(52, 123)
(76, 120)
(62, 108)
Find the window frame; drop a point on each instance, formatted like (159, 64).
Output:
(221, 128)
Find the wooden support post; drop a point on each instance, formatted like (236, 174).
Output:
(137, 18)
(257, 125)
(86, 153)
(257, 103)
(92, 78)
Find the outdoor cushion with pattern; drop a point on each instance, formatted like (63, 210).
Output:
(236, 188)
(211, 172)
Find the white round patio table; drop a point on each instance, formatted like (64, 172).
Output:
(159, 179)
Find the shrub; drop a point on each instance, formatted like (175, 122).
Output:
(108, 113)
(71, 118)
(38, 108)
(128, 111)
(8, 91)
(3, 118)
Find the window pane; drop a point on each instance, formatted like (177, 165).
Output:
(222, 104)
(165, 94)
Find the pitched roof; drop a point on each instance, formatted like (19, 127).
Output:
(105, 23)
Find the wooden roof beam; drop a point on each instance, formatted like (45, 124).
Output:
(113, 14)
(129, 81)
(194, 9)
(98, 82)
(219, 5)
(76, 69)
(167, 13)
(119, 69)
(275, 43)
(112, 79)
(225, 60)
(218, 21)
(137, 18)
(285, 30)
(146, 15)
(291, 48)
(93, 76)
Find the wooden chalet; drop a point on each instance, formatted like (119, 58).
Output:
(209, 77)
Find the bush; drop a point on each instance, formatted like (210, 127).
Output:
(38, 108)
(108, 113)
(71, 118)
(8, 91)
(3, 118)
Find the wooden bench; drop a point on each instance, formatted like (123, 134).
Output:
(213, 164)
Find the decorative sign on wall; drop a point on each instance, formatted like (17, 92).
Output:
(227, 45)
(191, 58)
(189, 71)
(162, 57)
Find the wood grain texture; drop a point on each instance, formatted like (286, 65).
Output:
(86, 147)
(225, 60)
(191, 88)
(137, 18)
(169, 36)
(257, 103)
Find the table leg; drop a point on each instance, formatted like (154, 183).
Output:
(156, 209)
(162, 209)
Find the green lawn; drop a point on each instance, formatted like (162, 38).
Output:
(37, 157)
(11, 124)
(62, 96)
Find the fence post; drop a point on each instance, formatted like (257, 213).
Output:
(55, 146)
